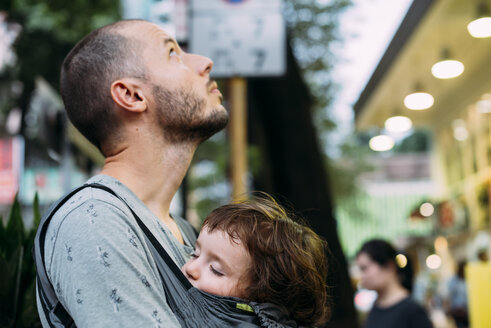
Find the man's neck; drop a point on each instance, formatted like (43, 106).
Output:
(153, 174)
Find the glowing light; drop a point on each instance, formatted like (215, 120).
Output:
(381, 143)
(401, 260)
(447, 69)
(460, 132)
(433, 261)
(484, 105)
(441, 244)
(419, 101)
(480, 28)
(364, 299)
(426, 209)
(398, 124)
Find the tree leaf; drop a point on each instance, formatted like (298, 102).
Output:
(14, 233)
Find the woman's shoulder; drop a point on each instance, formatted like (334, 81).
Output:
(416, 313)
(405, 313)
(407, 307)
(411, 304)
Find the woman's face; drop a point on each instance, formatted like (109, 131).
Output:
(373, 275)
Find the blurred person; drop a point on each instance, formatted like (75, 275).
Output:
(482, 255)
(456, 298)
(393, 283)
(146, 104)
(254, 250)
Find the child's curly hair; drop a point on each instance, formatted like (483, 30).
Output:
(289, 259)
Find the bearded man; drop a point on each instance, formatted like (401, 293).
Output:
(146, 104)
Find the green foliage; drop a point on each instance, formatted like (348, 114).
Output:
(205, 176)
(18, 274)
(50, 28)
(208, 179)
(483, 196)
(418, 141)
(313, 28)
(67, 21)
(345, 170)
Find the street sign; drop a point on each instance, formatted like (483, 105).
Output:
(170, 15)
(11, 167)
(243, 5)
(243, 38)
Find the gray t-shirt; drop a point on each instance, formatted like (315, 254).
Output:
(99, 264)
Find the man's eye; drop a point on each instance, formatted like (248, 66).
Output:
(172, 52)
(215, 272)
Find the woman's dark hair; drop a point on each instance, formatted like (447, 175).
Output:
(383, 253)
(289, 259)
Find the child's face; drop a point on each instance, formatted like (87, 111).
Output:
(219, 266)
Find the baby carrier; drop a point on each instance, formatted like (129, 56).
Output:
(192, 307)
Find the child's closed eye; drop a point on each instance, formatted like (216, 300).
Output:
(215, 272)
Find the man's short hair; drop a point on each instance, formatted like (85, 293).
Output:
(87, 73)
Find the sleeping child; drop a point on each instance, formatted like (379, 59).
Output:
(254, 251)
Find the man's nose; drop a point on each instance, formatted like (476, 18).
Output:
(200, 64)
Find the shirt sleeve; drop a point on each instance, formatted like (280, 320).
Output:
(420, 319)
(102, 271)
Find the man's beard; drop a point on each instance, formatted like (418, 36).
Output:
(181, 117)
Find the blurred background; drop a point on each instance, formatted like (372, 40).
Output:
(371, 118)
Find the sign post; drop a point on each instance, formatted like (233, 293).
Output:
(244, 38)
(238, 137)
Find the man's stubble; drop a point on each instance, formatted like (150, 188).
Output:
(182, 117)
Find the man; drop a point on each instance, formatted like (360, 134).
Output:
(146, 104)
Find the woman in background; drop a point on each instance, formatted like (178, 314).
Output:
(393, 308)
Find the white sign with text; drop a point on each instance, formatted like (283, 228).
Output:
(243, 38)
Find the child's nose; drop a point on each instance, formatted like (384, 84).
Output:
(191, 270)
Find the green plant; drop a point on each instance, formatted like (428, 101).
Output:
(483, 196)
(17, 270)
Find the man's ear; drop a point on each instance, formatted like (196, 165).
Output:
(128, 95)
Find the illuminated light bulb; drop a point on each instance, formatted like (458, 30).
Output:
(398, 124)
(364, 299)
(447, 69)
(460, 132)
(433, 261)
(401, 260)
(381, 143)
(419, 101)
(484, 105)
(480, 28)
(426, 209)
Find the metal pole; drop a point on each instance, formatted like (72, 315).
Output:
(238, 137)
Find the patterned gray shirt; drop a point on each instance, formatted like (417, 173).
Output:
(97, 260)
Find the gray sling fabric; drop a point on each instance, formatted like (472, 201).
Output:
(192, 307)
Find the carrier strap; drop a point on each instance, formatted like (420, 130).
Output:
(56, 315)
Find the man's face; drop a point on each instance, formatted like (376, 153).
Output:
(219, 265)
(188, 105)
